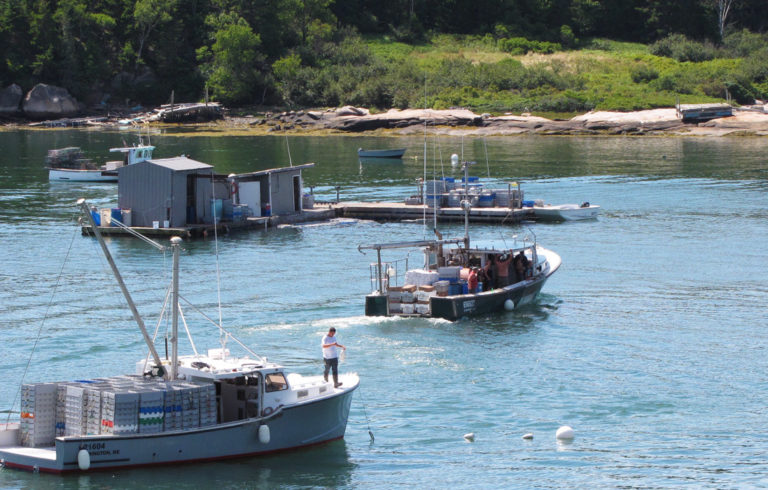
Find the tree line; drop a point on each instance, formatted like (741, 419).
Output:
(318, 52)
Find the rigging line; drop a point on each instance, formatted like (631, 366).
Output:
(248, 349)
(157, 326)
(370, 432)
(487, 163)
(42, 324)
(189, 335)
(288, 147)
(424, 180)
(222, 339)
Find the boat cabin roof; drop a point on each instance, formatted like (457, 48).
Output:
(203, 366)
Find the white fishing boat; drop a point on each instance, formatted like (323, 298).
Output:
(394, 153)
(198, 407)
(70, 165)
(566, 212)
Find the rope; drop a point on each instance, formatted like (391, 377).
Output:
(222, 338)
(370, 432)
(42, 324)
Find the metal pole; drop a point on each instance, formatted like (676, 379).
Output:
(175, 245)
(381, 280)
(87, 212)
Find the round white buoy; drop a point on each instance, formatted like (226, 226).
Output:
(564, 433)
(83, 459)
(528, 436)
(264, 435)
(509, 305)
(454, 159)
(469, 437)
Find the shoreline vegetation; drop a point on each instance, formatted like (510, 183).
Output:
(533, 66)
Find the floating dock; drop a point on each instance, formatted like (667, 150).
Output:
(376, 211)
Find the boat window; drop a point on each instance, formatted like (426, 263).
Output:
(275, 382)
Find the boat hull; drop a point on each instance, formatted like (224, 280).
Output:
(566, 212)
(455, 307)
(301, 425)
(396, 153)
(68, 175)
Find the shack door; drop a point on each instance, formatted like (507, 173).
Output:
(297, 193)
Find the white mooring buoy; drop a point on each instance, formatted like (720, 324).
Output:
(528, 436)
(509, 305)
(454, 159)
(470, 437)
(564, 433)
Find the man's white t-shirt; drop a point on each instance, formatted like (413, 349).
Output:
(331, 352)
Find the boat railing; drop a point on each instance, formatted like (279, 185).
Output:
(393, 274)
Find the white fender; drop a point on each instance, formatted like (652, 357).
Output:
(83, 459)
(264, 434)
(509, 305)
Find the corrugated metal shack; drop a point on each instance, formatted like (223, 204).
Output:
(281, 188)
(170, 192)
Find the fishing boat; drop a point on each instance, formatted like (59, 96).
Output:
(395, 153)
(440, 285)
(566, 212)
(198, 407)
(70, 165)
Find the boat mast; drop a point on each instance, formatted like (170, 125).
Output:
(175, 246)
(87, 212)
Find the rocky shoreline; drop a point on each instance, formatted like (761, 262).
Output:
(63, 111)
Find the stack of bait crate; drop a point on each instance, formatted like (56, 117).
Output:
(119, 412)
(38, 414)
(190, 405)
(75, 410)
(151, 410)
(207, 404)
(172, 404)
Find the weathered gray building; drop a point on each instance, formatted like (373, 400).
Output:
(282, 188)
(178, 190)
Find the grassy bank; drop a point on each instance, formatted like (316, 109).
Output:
(488, 74)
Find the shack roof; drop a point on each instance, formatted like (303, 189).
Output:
(180, 163)
(275, 170)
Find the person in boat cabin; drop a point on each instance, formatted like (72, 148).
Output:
(472, 280)
(486, 274)
(331, 356)
(502, 270)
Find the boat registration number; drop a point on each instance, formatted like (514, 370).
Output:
(469, 306)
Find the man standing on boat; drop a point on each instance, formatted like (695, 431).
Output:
(331, 356)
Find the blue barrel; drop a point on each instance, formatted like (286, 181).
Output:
(485, 200)
(528, 204)
(96, 217)
(117, 214)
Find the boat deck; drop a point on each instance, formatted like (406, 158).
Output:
(43, 453)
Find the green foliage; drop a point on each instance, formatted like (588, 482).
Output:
(680, 48)
(644, 73)
(521, 45)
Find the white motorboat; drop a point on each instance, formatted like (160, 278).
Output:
(70, 165)
(193, 408)
(566, 212)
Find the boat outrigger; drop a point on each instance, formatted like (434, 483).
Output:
(198, 407)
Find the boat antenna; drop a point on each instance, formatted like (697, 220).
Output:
(424, 182)
(487, 163)
(95, 229)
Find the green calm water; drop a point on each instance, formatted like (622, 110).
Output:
(649, 341)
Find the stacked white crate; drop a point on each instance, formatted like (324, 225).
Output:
(190, 406)
(61, 409)
(151, 409)
(93, 408)
(120, 412)
(38, 414)
(172, 403)
(74, 408)
(207, 404)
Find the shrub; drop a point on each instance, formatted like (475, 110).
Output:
(643, 73)
(680, 48)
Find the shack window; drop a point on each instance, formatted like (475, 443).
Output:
(275, 382)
